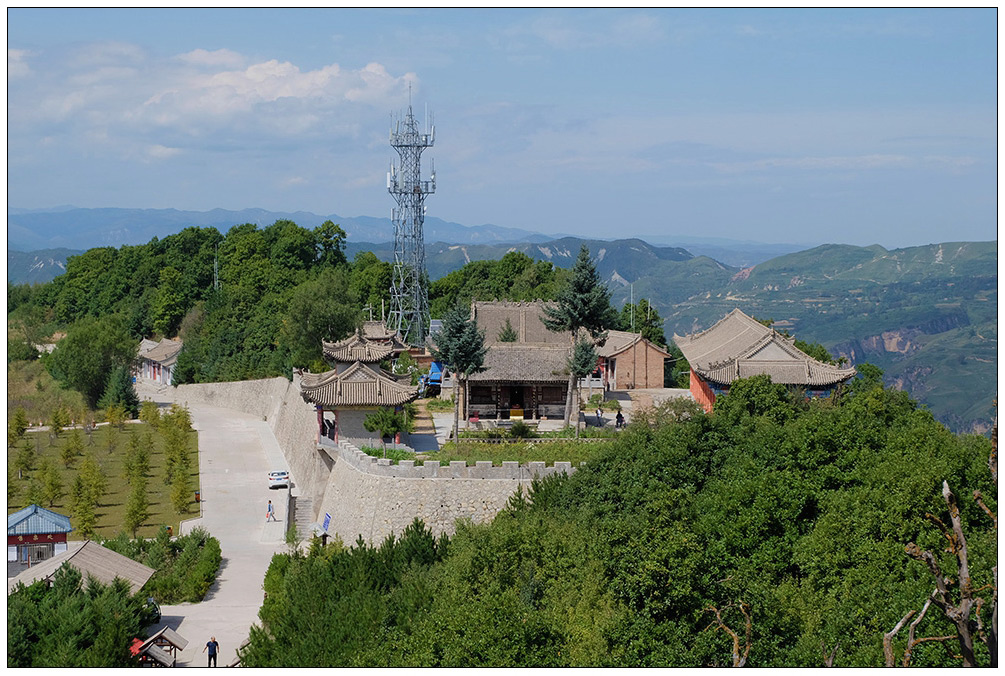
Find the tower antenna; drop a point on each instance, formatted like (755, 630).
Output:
(409, 313)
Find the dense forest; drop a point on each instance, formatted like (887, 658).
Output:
(778, 522)
(253, 303)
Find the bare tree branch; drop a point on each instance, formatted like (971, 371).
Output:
(829, 657)
(888, 638)
(738, 659)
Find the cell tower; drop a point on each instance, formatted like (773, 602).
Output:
(409, 313)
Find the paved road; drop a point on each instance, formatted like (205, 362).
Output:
(236, 453)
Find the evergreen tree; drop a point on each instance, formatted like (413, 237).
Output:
(58, 420)
(72, 447)
(150, 413)
(508, 334)
(461, 346)
(120, 392)
(676, 369)
(137, 506)
(180, 492)
(581, 363)
(52, 483)
(94, 478)
(582, 304)
(35, 495)
(16, 426)
(24, 461)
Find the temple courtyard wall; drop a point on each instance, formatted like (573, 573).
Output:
(366, 496)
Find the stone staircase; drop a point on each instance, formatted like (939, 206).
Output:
(423, 422)
(303, 516)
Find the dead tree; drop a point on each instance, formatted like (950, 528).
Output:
(738, 659)
(829, 656)
(959, 613)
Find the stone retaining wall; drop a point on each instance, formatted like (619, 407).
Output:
(364, 495)
(370, 498)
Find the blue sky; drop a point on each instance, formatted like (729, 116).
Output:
(853, 126)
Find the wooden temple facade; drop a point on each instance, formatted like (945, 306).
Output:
(738, 346)
(356, 386)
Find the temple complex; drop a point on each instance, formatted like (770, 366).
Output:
(739, 346)
(356, 386)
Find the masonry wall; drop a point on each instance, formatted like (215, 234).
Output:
(645, 361)
(701, 392)
(293, 421)
(370, 498)
(366, 496)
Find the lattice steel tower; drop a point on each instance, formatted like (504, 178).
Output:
(410, 284)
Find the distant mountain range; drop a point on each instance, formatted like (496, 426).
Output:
(927, 315)
(30, 230)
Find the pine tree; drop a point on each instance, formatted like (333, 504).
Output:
(583, 304)
(94, 479)
(52, 483)
(180, 492)
(72, 447)
(16, 426)
(24, 461)
(508, 334)
(461, 346)
(581, 363)
(35, 494)
(58, 420)
(138, 506)
(150, 413)
(121, 392)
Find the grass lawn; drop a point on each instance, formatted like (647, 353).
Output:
(111, 508)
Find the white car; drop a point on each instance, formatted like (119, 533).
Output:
(279, 479)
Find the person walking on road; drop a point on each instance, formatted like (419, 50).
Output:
(213, 648)
(270, 512)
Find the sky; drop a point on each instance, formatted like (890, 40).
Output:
(857, 126)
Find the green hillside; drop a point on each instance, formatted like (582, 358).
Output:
(915, 312)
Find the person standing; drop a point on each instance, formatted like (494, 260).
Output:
(270, 512)
(213, 648)
(600, 417)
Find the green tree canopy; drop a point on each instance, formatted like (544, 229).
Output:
(91, 350)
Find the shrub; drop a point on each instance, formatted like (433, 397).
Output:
(521, 430)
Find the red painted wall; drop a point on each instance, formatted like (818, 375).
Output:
(701, 392)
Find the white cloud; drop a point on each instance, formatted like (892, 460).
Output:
(160, 152)
(17, 66)
(568, 30)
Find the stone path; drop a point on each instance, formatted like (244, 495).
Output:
(236, 453)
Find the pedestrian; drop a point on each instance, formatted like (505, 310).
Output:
(600, 417)
(619, 421)
(213, 648)
(270, 512)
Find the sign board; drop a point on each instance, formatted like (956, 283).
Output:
(327, 521)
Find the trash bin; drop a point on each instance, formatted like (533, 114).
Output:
(197, 496)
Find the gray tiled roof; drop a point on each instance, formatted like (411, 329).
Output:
(91, 559)
(524, 363)
(738, 346)
(357, 385)
(524, 317)
(165, 352)
(356, 348)
(619, 341)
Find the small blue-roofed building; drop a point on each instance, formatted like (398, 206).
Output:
(35, 534)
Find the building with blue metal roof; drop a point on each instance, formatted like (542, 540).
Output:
(35, 533)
